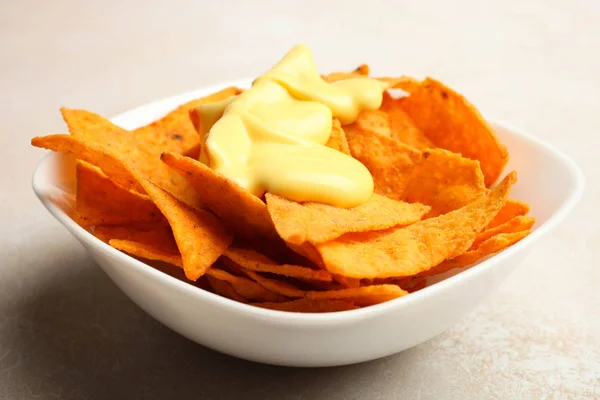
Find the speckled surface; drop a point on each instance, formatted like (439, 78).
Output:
(67, 332)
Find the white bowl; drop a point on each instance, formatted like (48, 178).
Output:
(549, 181)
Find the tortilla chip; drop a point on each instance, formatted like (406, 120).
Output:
(229, 266)
(155, 244)
(317, 223)
(402, 126)
(194, 152)
(388, 159)
(152, 241)
(245, 287)
(275, 250)
(223, 288)
(121, 162)
(221, 95)
(253, 261)
(362, 296)
(451, 122)
(347, 282)
(517, 224)
(512, 208)
(490, 246)
(173, 132)
(147, 251)
(199, 235)
(307, 251)
(309, 306)
(406, 83)
(101, 202)
(445, 181)
(281, 287)
(414, 284)
(240, 210)
(123, 154)
(360, 72)
(183, 119)
(371, 122)
(151, 232)
(410, 250)
(88, 126)
(124, 145)
(91, 153)
(362, 69)
(337, 138)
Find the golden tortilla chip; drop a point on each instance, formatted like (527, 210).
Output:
(152, 241)
(362, 296)
(275, 250)
(179, 119)
(241, 211)
(154, 233)
(199, 235)
(281, 287)
(297, 223)
(337, 138)
(194, 152)
(221, 95)
(407, 251)
(173, 132)
(309, 306)
(123, 154)
(445, 181)
(406, 83)
(121, 165)
(451, 122)
(361, 71)
(254, 261)
(371, 122)
(130, 147)
(148, 251)
(101, 201)
(229, 266)
(388, 159)
(308, 251)
(88, 126)
(490, 246)
(225, 289)
(415, 284)
(512, 208)
(347, 282)
(245, 287)
(91, 153)
(402, 126)
(517, 224)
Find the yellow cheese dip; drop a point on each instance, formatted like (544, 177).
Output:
(272, 137)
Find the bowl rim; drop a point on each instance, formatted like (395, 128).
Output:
(39, 184)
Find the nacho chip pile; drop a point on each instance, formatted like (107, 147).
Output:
(434, 162)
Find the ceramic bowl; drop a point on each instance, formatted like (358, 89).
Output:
(549, 181)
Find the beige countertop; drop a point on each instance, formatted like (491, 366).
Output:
(67, 332)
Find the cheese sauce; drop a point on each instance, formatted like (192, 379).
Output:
(272, 137)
